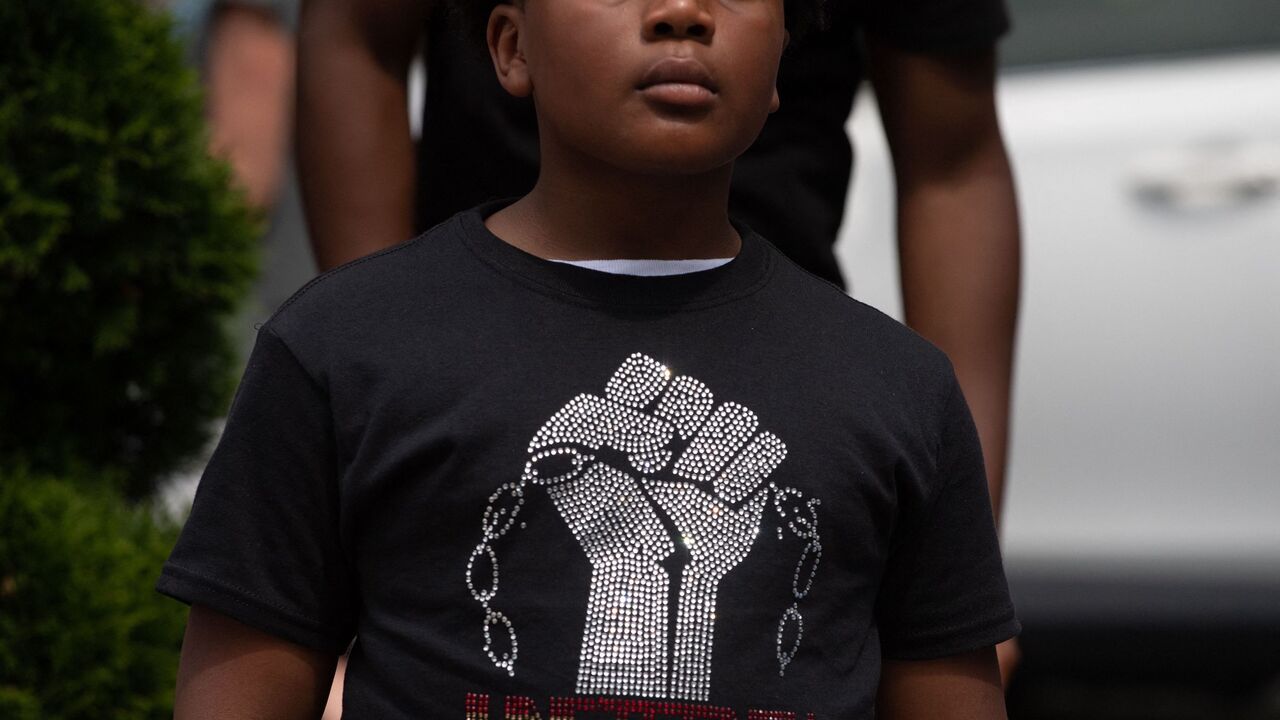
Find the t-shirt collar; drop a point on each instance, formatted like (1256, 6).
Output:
(741, 276)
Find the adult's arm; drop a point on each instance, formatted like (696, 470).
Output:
(958, 232)
(231, 671)
(355, 152)
(962, 687)
(250, 71)
(958, 236)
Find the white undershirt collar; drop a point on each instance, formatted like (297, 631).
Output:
(648, 267)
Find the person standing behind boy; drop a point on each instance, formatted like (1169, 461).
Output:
(540, 490)
(932, 63)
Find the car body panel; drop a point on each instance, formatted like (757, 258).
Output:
(1146, 429)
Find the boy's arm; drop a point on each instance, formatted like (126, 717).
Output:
(958, 232)
(355, 152)
(961, 687)
(229, 671)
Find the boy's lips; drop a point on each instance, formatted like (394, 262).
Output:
(682, 82)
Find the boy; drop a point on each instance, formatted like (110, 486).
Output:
(538, 490)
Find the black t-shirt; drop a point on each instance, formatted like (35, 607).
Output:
(479, 143)
(525, 484)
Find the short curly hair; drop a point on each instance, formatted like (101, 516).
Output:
(802, 16)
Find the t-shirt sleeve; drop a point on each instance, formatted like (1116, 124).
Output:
(944, 590)
(261, 544)
(938, 25)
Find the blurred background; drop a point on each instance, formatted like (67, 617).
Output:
(1141, 525)
(1142, 519)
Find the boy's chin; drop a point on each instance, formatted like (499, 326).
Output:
(663, 147)
(674, 159)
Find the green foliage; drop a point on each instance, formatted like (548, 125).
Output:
(18, 704)
(123, 249)
(83, 634)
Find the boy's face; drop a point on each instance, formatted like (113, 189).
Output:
(653, 86)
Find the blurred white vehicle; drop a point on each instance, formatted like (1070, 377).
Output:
(1144, 479)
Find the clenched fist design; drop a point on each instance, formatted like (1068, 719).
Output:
(665, 492)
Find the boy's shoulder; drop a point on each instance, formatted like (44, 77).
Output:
(852, 328)
(370, 289)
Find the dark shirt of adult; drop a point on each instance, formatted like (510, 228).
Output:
(479, 143)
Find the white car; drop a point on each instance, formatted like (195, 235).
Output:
(1142, 520)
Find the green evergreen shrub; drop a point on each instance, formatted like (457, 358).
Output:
(123, 249)
(83, 634)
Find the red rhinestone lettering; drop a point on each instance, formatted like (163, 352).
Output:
(521, 708)
(477, 707)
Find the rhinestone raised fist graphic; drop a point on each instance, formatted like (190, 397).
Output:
(665, 492)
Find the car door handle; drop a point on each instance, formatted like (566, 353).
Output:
(1209, 177)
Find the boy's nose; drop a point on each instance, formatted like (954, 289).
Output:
(679, 19)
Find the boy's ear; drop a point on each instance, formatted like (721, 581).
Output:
(776, 102)
(506, 25)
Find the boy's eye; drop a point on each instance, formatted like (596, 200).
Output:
(555, 466)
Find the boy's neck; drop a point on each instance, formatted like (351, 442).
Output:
(584, 209)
